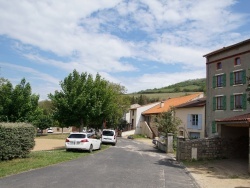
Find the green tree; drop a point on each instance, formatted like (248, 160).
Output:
(43, 122)
(24, 103)
(85, 101)
(5, 99)
(47, 107)
(17, 104)
(168, 123)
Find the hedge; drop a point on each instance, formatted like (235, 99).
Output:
(16, 140)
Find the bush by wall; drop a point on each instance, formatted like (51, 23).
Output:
(16, 140)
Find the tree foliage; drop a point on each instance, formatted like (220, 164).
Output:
(84, 101)
(17, 104)
(168, 123)
(194, 85)
(142, 100)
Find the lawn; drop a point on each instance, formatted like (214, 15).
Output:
(38, 159)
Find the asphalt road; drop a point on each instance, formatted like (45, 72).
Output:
(129, 164)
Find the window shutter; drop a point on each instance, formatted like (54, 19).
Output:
(199, 121)
(244, 78)
(232, 102)
(214, 103)
(244, 101)
(231, 78)
(214, 81)
(224, 102)
(213, 127)
(224, 80)
(189, 121)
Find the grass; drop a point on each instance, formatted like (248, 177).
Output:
(162, 96)
(38, 159)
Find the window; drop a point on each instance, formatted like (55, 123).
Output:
(219, 66)
(238, 77)
(219, 80)
(194, 135)
(181, 133)
(194, 119)
(238, 102)
(133, 112)
(219, 103)
(237, 61)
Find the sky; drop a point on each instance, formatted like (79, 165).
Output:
(139, 44)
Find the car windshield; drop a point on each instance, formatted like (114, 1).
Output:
(108, 133)
(77, 136)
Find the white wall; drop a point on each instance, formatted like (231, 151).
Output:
(139, 116)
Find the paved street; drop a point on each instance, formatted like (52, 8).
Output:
(128, 164)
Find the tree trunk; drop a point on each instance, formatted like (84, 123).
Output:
(81, 125)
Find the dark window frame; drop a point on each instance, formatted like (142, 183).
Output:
(237, 61)
(219, 66)
(238, 101)
(219, 103)
(238, 77)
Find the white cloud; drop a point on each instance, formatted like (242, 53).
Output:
(98, 36)
(158, 80)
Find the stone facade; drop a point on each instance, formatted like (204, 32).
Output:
(211, 148)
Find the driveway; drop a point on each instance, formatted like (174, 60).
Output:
(128, 164)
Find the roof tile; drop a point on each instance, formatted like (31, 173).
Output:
(172, 102)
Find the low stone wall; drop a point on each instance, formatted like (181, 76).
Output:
(211, 148)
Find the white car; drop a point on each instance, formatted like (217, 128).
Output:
(50, 130)
(109, 136)
(82, 141)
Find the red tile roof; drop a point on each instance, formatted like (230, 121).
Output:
(172, 102)
(239, 118)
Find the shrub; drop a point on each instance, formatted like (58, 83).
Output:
(16, 140)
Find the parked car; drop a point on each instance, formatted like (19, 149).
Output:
(50, 130)
(82, 141)
(109, 136)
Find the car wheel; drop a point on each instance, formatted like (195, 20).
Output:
(67, 150)
(114, 144)
(91, 148)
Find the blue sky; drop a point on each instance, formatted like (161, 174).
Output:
(140, 44)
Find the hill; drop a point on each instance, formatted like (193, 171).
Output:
(195, 85)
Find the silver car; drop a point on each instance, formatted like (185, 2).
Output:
(109, 136)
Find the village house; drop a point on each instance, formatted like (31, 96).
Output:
(151, 114)
(192, 116)
(227, 108)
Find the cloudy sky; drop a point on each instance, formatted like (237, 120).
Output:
(140, 44)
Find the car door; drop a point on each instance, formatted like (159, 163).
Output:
(92, 140)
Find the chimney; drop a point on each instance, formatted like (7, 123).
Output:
(162, 104)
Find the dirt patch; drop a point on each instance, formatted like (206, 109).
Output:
(229, 173)
(48, 144)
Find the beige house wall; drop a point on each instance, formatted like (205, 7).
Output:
(182, 113)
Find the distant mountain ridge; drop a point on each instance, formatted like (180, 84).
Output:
(193, 85)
